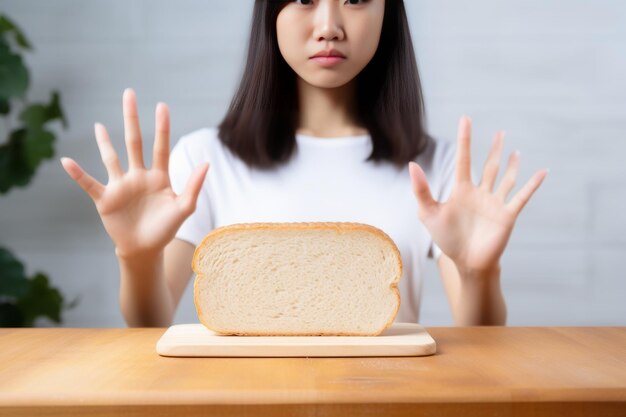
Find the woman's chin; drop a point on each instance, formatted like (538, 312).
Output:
(328, 80)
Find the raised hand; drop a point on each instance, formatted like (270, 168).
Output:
(139, 210)
(474, 225)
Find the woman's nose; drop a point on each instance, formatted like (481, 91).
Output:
(328, 21)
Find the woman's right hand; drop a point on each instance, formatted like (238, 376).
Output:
(139, 210)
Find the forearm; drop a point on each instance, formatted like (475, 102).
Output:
(480, 300)
(145, 299)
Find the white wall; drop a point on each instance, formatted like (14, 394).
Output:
(551, 73)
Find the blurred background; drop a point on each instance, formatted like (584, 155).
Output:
(549, 72)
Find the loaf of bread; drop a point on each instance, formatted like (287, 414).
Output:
(297, 279)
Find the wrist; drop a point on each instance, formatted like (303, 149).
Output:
(138, 256)
(483, 274)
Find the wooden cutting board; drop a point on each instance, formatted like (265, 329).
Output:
(400, 339)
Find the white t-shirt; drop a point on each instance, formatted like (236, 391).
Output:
(327, 179)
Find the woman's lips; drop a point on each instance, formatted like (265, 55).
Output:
(327, 61)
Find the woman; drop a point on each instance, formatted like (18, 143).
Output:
(310, 138)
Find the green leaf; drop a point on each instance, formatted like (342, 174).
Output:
(54, 109)
(8, 26)
(33, 297)
(27, 147)
(5, 107)
(20, 156)
(14, 170)
(11, 315)
(13, 281)
(6, 177)
(37, 146)
(35, 116)
(41, 300)
(14, 78)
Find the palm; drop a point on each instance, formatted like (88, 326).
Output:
(131, 207)
(480, 218)
(139, 209)
(474, 225)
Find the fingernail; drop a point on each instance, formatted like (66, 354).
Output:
(517, 152)
(547, 170)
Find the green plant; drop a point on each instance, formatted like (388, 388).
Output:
(23, 299)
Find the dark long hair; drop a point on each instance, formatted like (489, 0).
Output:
(260, 124)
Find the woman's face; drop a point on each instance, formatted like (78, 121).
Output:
(352, 27)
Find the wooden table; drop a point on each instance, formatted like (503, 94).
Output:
(503, 371)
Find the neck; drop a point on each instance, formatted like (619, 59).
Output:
(328, 112)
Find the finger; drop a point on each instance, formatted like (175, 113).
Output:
(107, 152)
(132, 133)
(510, 176)
(86, 181)
(520, 199)
(161, 150)
(427, 205)
(463, 163)
(189, 197)
(493, 163)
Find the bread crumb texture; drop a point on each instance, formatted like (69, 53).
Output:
(297, 279)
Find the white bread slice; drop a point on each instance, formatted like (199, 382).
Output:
(297, 279)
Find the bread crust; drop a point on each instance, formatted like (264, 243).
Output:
(341, 227)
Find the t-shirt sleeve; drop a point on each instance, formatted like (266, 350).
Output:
(181, 166)
(446, 164)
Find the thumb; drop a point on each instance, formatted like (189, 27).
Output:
(426, 203)
(89, 184)
(189, 197)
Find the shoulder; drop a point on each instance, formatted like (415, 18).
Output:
(205, 145)
(199, 145)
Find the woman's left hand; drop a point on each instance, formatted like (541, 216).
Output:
(473, 226)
